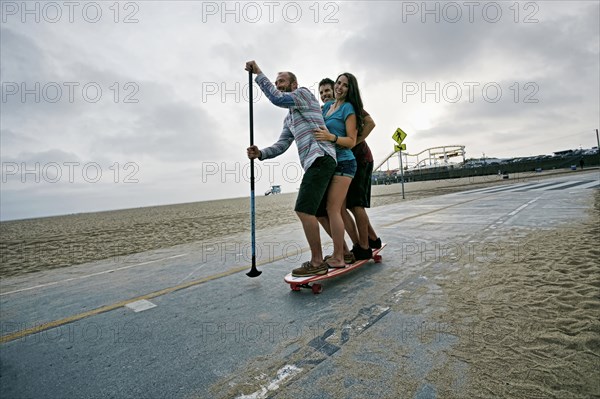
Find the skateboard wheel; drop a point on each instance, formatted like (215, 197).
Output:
(317, 288)
(294, 287)
(377, 258)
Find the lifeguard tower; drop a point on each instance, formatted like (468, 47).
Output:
(274, 190)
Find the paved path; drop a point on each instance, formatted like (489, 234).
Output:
(186, 322)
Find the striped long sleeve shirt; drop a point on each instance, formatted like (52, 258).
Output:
(303, 118)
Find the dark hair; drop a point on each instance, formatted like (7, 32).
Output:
(353, 97)
(327, 81)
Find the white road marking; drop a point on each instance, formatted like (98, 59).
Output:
(140, 306)
(590, 184)
(519, 209)
(283, 374)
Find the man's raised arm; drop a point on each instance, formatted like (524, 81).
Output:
(277, 97)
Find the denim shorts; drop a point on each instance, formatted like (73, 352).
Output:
(346, 168)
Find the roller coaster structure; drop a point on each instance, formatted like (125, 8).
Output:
(434, 156)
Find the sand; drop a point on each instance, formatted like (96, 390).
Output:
(47, 243)
(528, 325)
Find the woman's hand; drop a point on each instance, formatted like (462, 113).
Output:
(322, 134)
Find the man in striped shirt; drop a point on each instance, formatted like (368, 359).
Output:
(317, 157)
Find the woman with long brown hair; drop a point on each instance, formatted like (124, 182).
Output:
(342, 118)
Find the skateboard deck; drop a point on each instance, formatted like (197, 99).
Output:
(297, 283)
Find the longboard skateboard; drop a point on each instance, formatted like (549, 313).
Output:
(297, 283)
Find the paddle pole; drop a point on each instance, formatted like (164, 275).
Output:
(254, 272)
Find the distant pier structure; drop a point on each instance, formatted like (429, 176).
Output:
(430, 157)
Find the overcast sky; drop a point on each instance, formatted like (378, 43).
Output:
(111, 105)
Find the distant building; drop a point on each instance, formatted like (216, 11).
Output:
(274, 190)
(565, 152)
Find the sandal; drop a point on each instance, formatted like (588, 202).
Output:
(335, 266)
(348, 258)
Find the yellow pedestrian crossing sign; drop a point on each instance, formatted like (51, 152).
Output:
(399, 147)
(399, 136)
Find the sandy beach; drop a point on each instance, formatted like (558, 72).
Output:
(534, 322)
(47, 243)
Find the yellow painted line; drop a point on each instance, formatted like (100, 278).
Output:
(108, 308)
(57, 323)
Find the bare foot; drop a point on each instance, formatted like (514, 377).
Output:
(336, 263)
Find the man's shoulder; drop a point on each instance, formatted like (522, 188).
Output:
(306, 94)
(304, 90)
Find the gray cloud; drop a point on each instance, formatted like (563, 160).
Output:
(174, 128)
(174, 131)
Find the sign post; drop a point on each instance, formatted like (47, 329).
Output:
(399, 137)
(598, 145)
